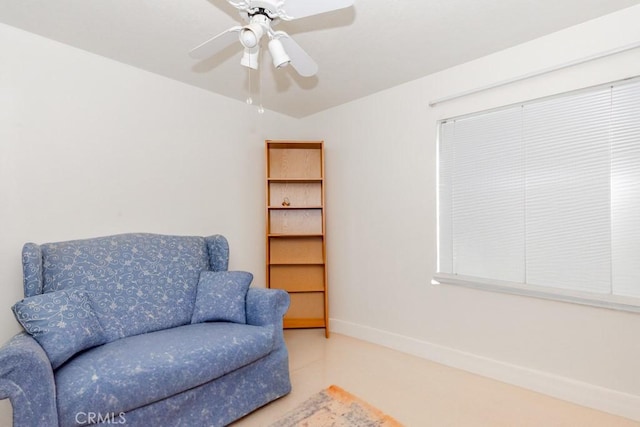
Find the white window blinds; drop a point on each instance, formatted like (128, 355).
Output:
(545, 193)
(625, 190)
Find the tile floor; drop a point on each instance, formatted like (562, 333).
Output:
(415, 391)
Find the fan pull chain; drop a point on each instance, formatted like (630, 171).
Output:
(261, 81)
(249, 99)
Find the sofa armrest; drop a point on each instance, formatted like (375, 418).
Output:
(26, 379)
(266, 306)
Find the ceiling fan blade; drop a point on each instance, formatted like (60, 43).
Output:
(216, 43)
(295, 9)
(240, 4)
(300, 60)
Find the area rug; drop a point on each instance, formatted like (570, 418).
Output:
(335, 407)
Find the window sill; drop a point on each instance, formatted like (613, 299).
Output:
(611, 302)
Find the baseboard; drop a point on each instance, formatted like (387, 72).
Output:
(581, 393)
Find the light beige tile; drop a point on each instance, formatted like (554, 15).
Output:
(415, 391)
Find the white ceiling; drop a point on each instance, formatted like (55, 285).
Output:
(371, 46)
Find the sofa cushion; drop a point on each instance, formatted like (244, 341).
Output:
(221, 297)
(138, 282)
(63, 323)
(139, 370)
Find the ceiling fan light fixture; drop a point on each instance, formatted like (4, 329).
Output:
(250, 58)
(251, 34)
(279, 55)
(261, 15)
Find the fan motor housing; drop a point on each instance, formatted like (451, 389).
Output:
(266, 8)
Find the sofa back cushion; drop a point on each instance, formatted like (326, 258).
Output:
(63, 322)
(222, 297)
(138, 283)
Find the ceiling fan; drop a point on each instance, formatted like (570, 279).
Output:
(260, 15)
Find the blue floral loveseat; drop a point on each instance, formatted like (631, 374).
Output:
(142, 330)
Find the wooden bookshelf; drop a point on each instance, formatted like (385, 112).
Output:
(296, 226)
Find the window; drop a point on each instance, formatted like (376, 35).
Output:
(544, 198)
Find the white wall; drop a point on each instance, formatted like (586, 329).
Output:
(381, 191)
(91, 147)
